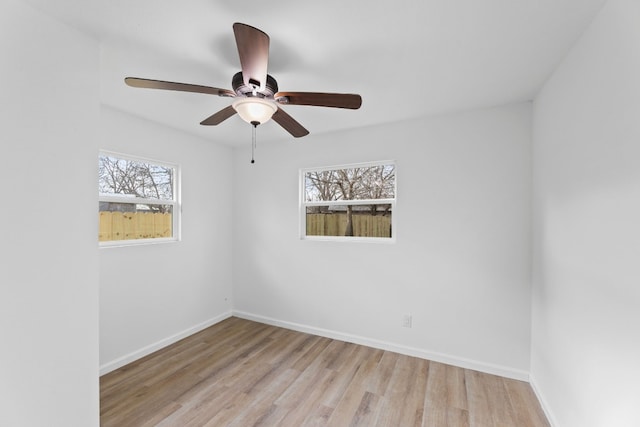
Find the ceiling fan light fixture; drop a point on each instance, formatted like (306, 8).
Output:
(254, 109)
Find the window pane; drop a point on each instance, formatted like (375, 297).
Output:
(130, 221)
(134, 178)
(358, 183)
(349, 220)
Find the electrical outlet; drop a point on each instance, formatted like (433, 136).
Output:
(406, 320)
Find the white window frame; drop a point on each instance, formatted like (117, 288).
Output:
(303, 204)
(175, 203)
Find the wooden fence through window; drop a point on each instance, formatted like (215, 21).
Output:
(149, 225)
(335, 224)
(134, 225)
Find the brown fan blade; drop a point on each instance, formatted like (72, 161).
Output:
(219, 117)
(182, 87)
(319, 99)
(253, 49)
(289, 123)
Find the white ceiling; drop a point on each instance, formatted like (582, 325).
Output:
(407, 58)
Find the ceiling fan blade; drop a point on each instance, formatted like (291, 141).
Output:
(253, 49)
(289, 123)
(182, 87)
(319, 99)
(219, 117)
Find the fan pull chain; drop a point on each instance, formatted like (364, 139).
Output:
(253, 140)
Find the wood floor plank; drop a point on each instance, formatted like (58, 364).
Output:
(298, 407)
(318, 417)
(412, 411)
(479, 407)
(354, 394)
(262, 400)
(365, 414)
(332, 394)
(320, 345)
(456, 388)
(458, 418)
(200, 410)
(241, 373)
(527, 410)
(378, 383)
(435, 403)
(499, 403)
(398, 392)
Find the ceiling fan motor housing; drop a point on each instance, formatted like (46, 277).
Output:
(241, 89)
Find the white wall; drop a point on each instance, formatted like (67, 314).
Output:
(151, 295)
(49, 262)
(461, 263)
(586, 300)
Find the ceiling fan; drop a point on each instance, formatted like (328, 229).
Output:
(256, 94)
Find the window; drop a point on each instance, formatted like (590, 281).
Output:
(349, 202)
(138, 200)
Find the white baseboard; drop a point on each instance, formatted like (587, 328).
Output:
(543, 402)
(138, 354)
(409, 351)
(383, 345)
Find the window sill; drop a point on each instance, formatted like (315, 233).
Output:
(377, 240)
(136, 242)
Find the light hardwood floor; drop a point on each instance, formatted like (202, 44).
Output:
(242, 373)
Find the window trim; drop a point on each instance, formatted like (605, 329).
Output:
(303, 204)
(176, 203)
